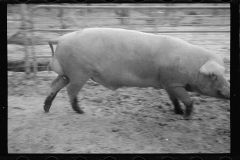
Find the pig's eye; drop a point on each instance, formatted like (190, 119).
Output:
(213, 77)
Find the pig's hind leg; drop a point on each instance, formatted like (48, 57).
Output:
(57, 85)
(75, 85)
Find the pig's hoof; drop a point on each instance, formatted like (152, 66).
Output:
(47, 107)
(179, 111)
(78, 110)
(187, 116)
(75, 106)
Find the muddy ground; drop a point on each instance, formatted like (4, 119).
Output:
(128, 120)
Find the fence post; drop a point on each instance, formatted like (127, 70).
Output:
(155, 21)
(27, 63)
(31, 43)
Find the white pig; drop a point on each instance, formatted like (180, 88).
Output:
(118, 58)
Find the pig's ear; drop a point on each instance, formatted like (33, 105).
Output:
(212, 68)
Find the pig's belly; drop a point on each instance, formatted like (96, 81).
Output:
(116, 80)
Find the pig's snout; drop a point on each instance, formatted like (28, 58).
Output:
(224, 92)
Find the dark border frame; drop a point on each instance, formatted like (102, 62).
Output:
(235, 88)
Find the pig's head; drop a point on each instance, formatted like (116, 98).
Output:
(211, 80)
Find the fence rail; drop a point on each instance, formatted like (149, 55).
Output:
(159, 31)
(123, 7)
(128, 7)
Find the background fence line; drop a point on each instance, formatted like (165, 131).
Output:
(122, 12)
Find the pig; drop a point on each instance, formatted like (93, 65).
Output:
(116, 58)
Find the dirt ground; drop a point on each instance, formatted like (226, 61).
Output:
(128, 120)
